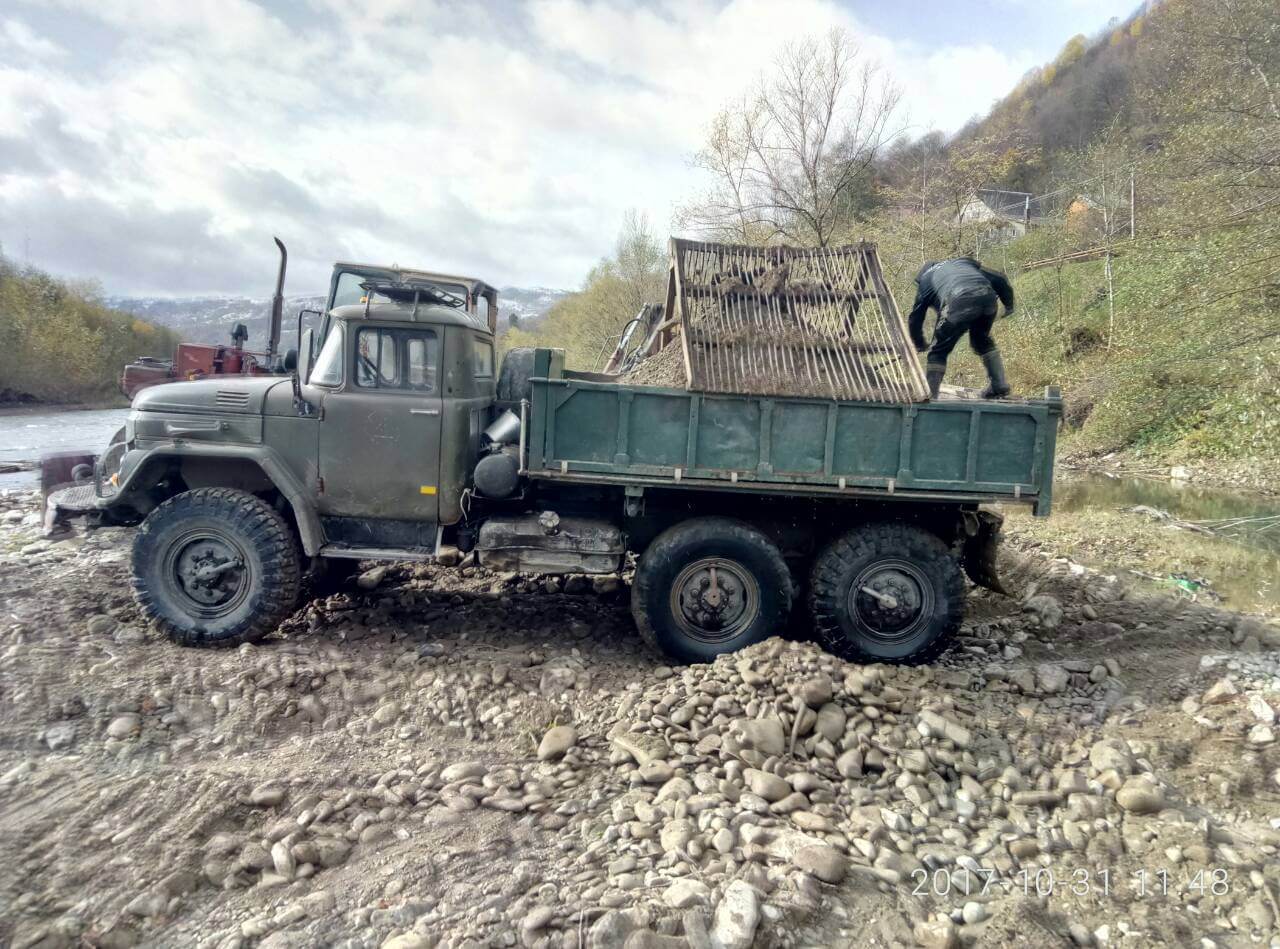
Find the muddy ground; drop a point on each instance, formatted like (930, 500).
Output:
(457, 758)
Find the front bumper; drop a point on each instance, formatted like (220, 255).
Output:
(73, 500)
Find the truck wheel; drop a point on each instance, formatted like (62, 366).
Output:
(709, 586)
(216, 567)
(886, 593)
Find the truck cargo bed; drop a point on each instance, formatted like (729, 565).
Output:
(584, 430)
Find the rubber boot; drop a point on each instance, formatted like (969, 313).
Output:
(934, 376)
(999, 387)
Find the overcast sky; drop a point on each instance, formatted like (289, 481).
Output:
(156, 145)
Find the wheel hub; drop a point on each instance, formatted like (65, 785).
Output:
(210, 571)
(890, 598)
(715, 599)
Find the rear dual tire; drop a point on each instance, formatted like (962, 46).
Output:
(883, 592)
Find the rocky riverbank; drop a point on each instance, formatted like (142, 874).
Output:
(444, 756)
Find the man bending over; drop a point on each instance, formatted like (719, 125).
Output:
(964, 293)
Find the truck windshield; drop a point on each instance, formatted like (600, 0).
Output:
(350, 289)
(328, 368)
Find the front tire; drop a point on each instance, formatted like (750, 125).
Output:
(709, 586)
(216, 567)
(886, 593)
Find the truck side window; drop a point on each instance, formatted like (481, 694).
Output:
(377, 365)
(481, 358)
(422, 362)
(327, 370)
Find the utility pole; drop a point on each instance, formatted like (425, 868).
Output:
(1133, 233)
(1108, 220)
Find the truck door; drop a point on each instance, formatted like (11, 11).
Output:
(380, 434)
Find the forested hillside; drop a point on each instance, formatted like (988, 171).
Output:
(60, 343)
(1139, 217)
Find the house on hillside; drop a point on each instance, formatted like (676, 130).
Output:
(1009, 214)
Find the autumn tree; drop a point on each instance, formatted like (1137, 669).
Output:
(60, 343)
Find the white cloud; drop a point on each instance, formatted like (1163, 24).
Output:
(18, 39)
(505, 141)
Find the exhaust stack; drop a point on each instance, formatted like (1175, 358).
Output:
(277, 307)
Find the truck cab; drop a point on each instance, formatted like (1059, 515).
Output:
(404, 391)
(371, 442)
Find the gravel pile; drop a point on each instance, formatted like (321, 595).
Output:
(454, 757)
(663, 368)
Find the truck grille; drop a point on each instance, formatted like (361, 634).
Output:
(231, 400)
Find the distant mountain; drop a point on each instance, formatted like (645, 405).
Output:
(210, 319)
(528, 305)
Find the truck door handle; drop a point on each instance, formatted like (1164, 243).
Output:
(424, 411)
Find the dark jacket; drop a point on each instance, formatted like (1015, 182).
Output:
(939, 283)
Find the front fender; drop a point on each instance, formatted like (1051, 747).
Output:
(138, 461)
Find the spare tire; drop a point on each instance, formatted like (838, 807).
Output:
(514, 377)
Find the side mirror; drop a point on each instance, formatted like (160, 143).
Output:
(303, 357)
(290, 360)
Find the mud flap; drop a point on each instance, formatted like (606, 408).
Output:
(981, 547)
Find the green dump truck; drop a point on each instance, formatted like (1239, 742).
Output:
(401, 438)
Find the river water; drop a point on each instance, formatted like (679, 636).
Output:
(1185, 501)
(26, 434)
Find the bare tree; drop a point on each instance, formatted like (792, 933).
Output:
(640, 261)
(788, 158)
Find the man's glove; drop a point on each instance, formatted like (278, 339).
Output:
(919, 343)
(1008, 311)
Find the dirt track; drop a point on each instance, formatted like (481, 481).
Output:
(458, 758)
